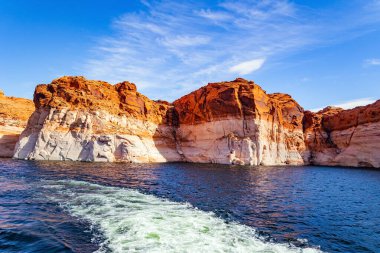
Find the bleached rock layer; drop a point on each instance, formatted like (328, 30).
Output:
(230, 122)
(237, 122)
(338, 137)
(94, 136)
(235, 141)
(9, 136)
(14, 113)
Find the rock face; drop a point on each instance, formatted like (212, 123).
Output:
(237, 122)
(82, 120)
(230, 122)
(14, 114)
(344, 137)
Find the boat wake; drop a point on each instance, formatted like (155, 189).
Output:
(130, 221)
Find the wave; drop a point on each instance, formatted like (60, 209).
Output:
(130, 221)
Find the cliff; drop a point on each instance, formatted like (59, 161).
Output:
(334, 136)
(14, 114)
(233, 122)
(83, 120)
(237, 122)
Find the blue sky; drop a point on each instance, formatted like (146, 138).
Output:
(321, 52)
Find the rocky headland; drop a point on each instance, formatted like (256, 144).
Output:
(338, 137)
(14, 115)
(82, 120)
(233, 122)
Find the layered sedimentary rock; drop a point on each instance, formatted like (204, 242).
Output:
(335, 136)
(82, 120)
(233, 122)
(237, 122)
(14, 114)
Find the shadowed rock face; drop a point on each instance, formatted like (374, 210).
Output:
(14, 114)
(228, 122)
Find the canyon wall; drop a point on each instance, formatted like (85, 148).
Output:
(237, 122)
(338, 137)
(233, 122)
(82, 120)
(14, 114)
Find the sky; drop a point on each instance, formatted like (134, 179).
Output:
(324, 52)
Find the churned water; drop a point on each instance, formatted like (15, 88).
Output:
(92, 207)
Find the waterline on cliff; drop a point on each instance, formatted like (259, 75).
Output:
(131, 221)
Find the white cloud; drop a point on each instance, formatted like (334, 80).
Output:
(185, 41)
(215, 15)
(176, 47)
(171, 47)
(351, 104)
(247, 67)
(356, 102)
(262, 9)
(371, 62)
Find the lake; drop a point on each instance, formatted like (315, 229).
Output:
(182, 207)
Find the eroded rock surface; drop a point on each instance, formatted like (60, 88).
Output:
(14, 114)
(344, 137)
(237, 122)
(84, 120)
(229, 122)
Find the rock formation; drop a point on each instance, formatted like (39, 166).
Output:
(237, 122)
(14, 114)
(229, 122)
(335, 136)
(82, 120)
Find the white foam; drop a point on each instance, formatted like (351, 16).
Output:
(134, 222)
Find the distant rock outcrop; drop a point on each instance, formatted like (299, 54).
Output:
(14, 114)
(335, 136)
(229, 122)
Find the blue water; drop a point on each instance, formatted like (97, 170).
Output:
(87, 207)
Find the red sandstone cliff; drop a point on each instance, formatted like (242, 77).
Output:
(239, 99)
(121, 99)
(237, 122)
(14, 114)
(86, 120)
(227, 122)
(344, 137)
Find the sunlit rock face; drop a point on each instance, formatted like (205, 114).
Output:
(14, 114)
(82, 120)
(344, 137)
(229, 122)
(237, 122)
(77, 135)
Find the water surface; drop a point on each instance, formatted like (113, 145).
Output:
(87, 207)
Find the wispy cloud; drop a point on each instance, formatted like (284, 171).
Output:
(169, 48)
(371, 62)
(247, 67)
(185, 41)
(216, 16)
(261, 10)
(351, 104)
